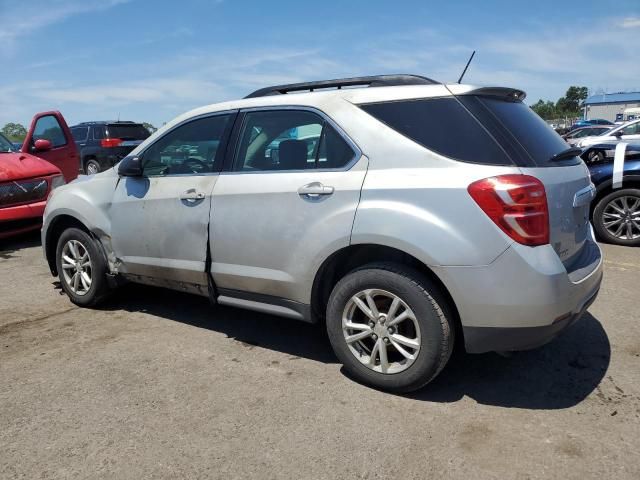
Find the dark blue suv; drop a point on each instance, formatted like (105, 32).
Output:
(615, 210)
(103, 144)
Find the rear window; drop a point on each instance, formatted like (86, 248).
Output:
(528, 138)
(128, 132)
(442, 125)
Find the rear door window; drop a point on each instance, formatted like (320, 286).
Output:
(79, 133)
(442, 125)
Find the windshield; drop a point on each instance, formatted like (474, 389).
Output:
(5, 145)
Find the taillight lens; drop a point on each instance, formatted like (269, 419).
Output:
(517, 204)
(110, 142)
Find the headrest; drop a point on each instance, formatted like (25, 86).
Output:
(293, 155)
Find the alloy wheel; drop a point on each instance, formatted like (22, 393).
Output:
(621, 217)
(76, 267)
(381, 331)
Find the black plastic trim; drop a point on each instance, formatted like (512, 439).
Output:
(372, 81)
(302, 308)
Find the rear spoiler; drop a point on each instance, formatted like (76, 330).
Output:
(512, 94)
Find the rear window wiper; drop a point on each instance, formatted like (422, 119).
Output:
(568, 153)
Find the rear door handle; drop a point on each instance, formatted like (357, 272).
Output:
(315, 189)
(192, 195)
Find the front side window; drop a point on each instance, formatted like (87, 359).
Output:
(632, 129)
(289, 140)
(190, 149)
(48, 128)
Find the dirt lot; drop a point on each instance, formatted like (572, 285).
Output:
(161, 385)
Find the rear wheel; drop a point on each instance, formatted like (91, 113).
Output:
(81, 268)
(92, 166)
(390, 326)
(616, 217)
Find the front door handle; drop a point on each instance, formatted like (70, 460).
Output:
(315, 189)
(192, 195)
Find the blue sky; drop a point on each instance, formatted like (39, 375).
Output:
(150, 60)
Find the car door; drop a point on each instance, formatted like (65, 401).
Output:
(62, 151)
(160, 219)
(287, 201)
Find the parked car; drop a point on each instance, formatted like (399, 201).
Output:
(592, 121)
(103, 144)
(574, 136)
(427, 213)
(615, 210)
(628, 132)
(25, 182)
(17, 146)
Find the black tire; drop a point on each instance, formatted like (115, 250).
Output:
(432, 313)
(99, 287)
(599, 218)
(91, 164)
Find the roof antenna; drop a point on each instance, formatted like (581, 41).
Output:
(466, 66)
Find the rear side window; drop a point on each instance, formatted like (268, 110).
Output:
(128, 132)
(442, 125)
(529, 134)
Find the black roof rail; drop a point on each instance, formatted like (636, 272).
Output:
(373, 81)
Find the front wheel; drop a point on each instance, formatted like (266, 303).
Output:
(81, 268)
(390, 326)
(616, 217)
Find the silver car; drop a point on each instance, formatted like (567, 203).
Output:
(405, 214)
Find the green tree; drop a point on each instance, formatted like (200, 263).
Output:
(571, 103)
(149, 127)
(547, 110)
(14, 131)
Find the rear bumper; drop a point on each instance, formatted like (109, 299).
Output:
(523, 299)
(21, 218)
(505, 339)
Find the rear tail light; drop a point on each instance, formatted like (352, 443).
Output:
(110, 142)
(517, 204)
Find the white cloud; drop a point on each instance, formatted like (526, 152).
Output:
(630, 22)
(27, 17)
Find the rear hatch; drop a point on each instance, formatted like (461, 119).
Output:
(123, 137)
(532, 144)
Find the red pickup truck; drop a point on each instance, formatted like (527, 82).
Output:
(47, 159)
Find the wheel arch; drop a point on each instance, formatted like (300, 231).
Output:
(348, 258)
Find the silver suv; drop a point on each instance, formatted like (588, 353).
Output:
(406, 215)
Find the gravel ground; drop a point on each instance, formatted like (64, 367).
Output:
(158, 384)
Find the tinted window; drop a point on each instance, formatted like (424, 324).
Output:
(48, 128)
(79, 133)
(191, 148)
(128, 132)
(289, 140)
(533, 137)
(99, 132)
(443, 126)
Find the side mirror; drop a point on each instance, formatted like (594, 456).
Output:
(130, 167)
(42, 145)
(618, 133)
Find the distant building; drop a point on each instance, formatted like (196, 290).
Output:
(611, 106)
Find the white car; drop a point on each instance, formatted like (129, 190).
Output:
(627, 132)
